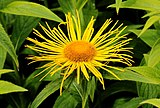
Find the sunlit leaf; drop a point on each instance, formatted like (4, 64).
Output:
(149, 22)
(8, 87)
(140, 4)
(151, 13)
(152, 74)
(6, 43)
(137, 74)
(118, 4)
(3, 3)
(154, 57)
(3, 71)
(155, 102)
(150, 36)
(30, 9)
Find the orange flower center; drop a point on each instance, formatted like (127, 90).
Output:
(79, 51)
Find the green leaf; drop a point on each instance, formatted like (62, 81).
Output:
(22, 28)
(133, 103)
(147, 91)
(3, 3)
(65, 101)
(150, 36)
(30, 9)
(47, 91)
(135, 76)
(85, 13)
(154, 57)
(68, 6)
(3, 53)
(118, 4)
(156, 12)
(3, 71)
(6, 43)
(152, 74)
(155, 102)
(8, 87)
(140, 4)
(81, 4)
(149, 22)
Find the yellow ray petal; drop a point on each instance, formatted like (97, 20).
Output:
(104, 26)
(95, 72)
(88, 31)
(70, 28)
(78, 73)
(83, 69)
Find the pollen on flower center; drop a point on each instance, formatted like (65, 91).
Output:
(79, 51)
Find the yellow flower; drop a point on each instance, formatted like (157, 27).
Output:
(81, 53)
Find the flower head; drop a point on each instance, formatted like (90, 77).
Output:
(83, 53)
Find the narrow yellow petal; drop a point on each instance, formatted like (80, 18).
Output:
(64, 65)
(104, 26)
(95, 72)
(83, 69)
(88, 31)
(78, 73)
(64, 77)
(70, 28)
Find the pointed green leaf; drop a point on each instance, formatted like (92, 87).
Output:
(8, 87)
(140, 4)
(23, 26)
(151, 13)
(133, 74)
(152, 74)
(3, 71)
(149, 22)
(118, 4)
(65, 101)
(6, 43)
(154, 57)
(30, 9)
(150, 36)
(47, 91)
(155, 102)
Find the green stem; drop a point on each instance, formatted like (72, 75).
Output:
(78, 90)
(84, 100)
